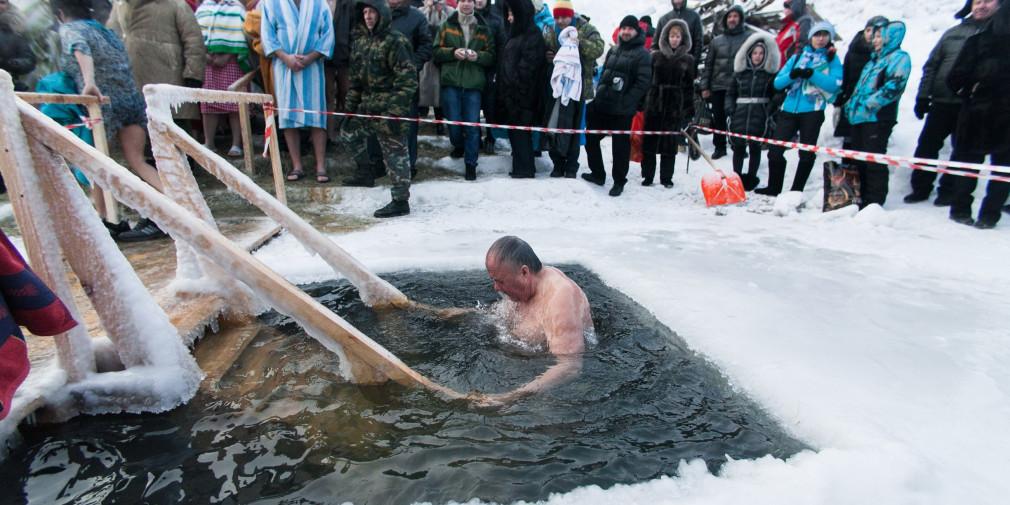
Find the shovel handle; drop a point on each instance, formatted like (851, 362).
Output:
(705, 155)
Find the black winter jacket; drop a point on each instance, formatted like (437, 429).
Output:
(412, 23)
(856, 58)
(693, 20)
(934, 73)
(521, 69)
(718, 72)
(748, 101)
(627, 74)
(669, 104)
(980, 76)
(343, 19)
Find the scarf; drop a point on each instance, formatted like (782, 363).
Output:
(467, 23)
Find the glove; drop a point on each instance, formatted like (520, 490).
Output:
(795, 73)
(806, 73)
(921, 107)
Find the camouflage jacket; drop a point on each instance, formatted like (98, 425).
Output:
(383, 76)
(591, 46)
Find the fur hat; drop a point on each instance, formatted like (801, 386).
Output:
(564, 9)
(631, 22)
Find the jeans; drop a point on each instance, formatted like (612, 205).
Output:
(461, 104)
(996, 192)
(873, 177)
(621, 146)
(941, 122)
(808, 125)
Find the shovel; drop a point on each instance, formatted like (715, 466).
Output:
(718, 187)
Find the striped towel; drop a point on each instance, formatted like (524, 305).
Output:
(221, 23)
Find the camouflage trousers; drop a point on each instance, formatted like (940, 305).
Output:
(393, 140)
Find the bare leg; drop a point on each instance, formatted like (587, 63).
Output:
(133, 139)
(236, 130)
(209, 130)
(293, 139)
(319, 149)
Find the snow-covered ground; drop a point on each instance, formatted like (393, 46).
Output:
(879, 338)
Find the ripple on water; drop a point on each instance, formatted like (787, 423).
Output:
(283, 426)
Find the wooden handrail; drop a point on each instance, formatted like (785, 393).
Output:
(41, 98)
(243, 81)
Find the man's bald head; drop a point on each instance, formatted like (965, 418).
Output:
(514, 252)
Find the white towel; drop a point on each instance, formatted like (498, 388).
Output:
(566, 80)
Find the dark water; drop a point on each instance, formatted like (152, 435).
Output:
(282, 427)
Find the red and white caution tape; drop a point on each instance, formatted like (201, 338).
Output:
(268, 132)
(988, 172)
(569, 131)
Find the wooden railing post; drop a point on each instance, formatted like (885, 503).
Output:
(73, 348)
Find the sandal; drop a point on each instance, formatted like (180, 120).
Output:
(322, 178)
(295, 175)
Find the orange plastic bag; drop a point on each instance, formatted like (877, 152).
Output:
(637, 125)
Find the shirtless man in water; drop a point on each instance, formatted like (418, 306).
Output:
(551, 311)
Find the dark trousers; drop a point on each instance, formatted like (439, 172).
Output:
(718, 101)
(808, 125)
(666, 163)
(941, 122)
(995, 192)
(522, 154)
(566, 157)
(375, 151)
(873, 177)
(740, 148)
(621, 148)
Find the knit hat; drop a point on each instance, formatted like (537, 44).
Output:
(823, 26)
(564, 9)
(632, 22)
(877, 21)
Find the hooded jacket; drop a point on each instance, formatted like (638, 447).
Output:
(933, 86)
(627, 74)
(748, 101)
(718, 72)
(409, 21)
(980, 76)
(591, 46)
(795, 32)
(815, 93)
(464, 74)
(383, 78)
(521, 69)
(856, 58)
(693, 20)
(882, 82)
(669, 103)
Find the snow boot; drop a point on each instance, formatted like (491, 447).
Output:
(617, 190)
(395, 208)
(598, 180)
(720, 152)
(943, 200)
(145, 230)
(471, 172)
(916, 197)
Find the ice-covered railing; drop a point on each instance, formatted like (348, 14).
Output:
(103, 201)
(59, 224)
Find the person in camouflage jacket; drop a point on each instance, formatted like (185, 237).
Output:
(564, 148)
(383, 82)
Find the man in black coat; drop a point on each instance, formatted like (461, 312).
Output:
(938, 103)
(409, 21)
(627, 74)
(858, 55)
(521, 73)
(717, 77)
(693, 20)
(493, 17)
(981, 76)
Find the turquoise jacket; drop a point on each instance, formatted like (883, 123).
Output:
(815, 93)
(544, 19)
(882, 82)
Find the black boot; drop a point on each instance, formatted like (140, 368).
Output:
(916, 197)
(471, 172)
(489, 145)
(557, 172)
(395, 208)
(145, 230)
(617, 189)
(598, 180)
(720, 152)
(750, 181)
(943, 200)
(767, 190)
(116, 229)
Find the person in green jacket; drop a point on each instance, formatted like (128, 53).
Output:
(465, 50)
